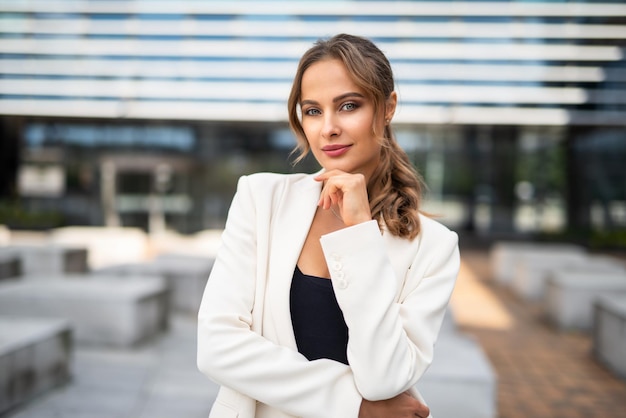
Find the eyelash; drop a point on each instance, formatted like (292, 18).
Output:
(354, 106)
(309, 112)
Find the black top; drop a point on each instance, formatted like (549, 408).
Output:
(318, 323)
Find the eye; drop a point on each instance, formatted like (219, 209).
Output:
(311, 111)
(349, 106)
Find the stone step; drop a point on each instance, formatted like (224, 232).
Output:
(503, 256)
(460, 372)
(186, 277)
(107, 311)
(105, 245)
(49, 259)
(609, 332)
(5, 235)
(570, 295)
(34, 357)
(449, 325)
(10, 266)
(533, 270)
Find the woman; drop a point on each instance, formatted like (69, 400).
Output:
(329, 290)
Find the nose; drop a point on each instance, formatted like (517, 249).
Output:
(331, 126)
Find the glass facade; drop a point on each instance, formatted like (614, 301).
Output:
(126, 112)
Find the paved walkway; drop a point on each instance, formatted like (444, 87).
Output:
(158, 379)
(542, 372)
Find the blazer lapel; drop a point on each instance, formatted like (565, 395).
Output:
(290, 227)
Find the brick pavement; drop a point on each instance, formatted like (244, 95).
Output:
(542, 372)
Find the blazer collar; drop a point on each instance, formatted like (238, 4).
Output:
(292, 222)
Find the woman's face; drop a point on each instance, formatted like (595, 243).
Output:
(338, 119)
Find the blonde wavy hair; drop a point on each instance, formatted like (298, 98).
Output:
(395, 189)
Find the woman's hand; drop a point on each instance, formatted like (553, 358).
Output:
(348, 192)
(401, 406)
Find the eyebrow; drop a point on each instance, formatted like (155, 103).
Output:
(336, 99)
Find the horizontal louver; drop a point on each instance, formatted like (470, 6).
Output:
(455, 62)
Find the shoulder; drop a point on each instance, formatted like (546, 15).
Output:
(265, 177)
(434, 234)
(268, 181)
(262, 193)
(437, 241)
(434, 239)
(273, 187)
(432, 229)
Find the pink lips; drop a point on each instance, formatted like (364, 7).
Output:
(336, 150)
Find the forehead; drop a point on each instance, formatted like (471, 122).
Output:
(327, 77)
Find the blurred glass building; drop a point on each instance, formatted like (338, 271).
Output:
(145, 113)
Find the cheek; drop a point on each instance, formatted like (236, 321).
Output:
(309, 130)
(364, 126)
(364, 119)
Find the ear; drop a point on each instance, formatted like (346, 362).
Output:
(390, 107)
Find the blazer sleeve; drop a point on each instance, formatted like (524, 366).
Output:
(233, 355)
(391, 341)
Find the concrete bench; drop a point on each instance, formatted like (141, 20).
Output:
(504, 255)
(207, 242)
(609, 333)
(186, 277)
(49, 259)
(204, 243)
(570, 295)
(107, 311)
(34, 357)
(10, 265)
(105, 245)
(460, 372)
(5, 235)
(533, 270)
(449, 326)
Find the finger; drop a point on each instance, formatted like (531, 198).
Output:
(331, 187)
(327, 202)
(326, 199)
(324, 176)
(331, 199)
(423, 411)
(322, 202)
(320, 177)
(328, 174)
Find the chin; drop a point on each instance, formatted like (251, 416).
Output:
(345, 169)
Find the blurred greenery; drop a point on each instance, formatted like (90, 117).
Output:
(614, 239)
(545, 168)
(593, 239)
(14, 215)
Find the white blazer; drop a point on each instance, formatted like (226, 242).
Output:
(393, 293)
